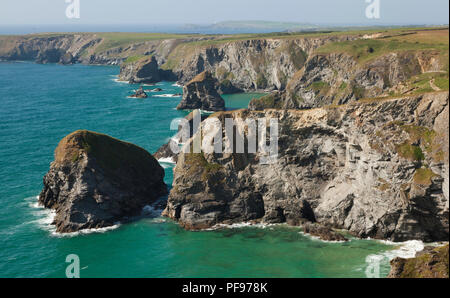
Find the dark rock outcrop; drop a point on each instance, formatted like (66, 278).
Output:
(96, 180)
(377, 169)
(322, 232)
(226, 87)
(145, 70)
(140, 93)
(432, 262)
(201, 93)
(55, 56)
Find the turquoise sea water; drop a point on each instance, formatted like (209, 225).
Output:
(40, 104)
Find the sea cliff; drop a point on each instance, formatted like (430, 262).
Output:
(377, 168)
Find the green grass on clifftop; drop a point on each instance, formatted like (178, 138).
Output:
(365, 50)
(122, 39)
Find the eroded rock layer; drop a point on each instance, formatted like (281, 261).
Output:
(376, 168)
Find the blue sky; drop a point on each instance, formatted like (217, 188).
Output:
(38, 12)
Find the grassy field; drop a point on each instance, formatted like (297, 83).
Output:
(365, 50)
(135, 58)
(397, 36)
(123, 39)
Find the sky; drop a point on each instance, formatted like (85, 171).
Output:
(341, 12)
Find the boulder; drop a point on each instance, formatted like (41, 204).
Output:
(96, 180)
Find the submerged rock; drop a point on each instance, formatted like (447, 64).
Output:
(201, 93)
(432, 262)
(96, 180)
(140, 93)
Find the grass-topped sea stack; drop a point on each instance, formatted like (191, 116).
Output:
(96, 180)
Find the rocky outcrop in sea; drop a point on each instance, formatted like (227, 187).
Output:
(96, 180)
(140, 93)
(376, 168)
(201, 93)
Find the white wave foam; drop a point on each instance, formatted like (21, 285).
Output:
(158, 220)
(206, 112)
(312, 237)
(177, 85)
(166, 95)
(118, 81)
(166, 160)
(241, 225)
(407, 249)
(47, 216)
(86, 231)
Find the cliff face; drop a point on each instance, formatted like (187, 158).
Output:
(310, 71)
(201, 93)
(87, 48)
(144, 71)
(47, 48)
(376, 168)
(96, 180)
(430, 263)
(338, 78)
(248, 64)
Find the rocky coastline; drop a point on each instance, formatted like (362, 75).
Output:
(140, 93)
(376, 169)
(363, 140)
